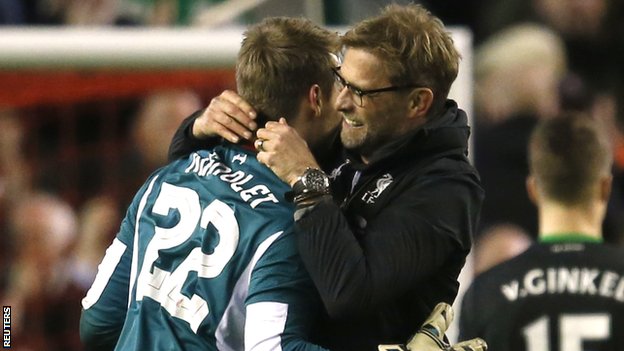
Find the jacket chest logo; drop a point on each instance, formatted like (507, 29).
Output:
(336, 172)
(381, 184)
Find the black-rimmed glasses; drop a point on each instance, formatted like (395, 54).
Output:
(358, 94)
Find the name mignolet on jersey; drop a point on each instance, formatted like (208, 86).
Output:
(212, 166)
(566, 280)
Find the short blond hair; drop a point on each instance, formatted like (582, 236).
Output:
(280, 59)
(414, 45)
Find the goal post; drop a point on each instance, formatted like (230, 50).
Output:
(45, 52)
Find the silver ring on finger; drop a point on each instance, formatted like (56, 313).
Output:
(260, 144)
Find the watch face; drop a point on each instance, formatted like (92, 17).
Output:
(316, 180)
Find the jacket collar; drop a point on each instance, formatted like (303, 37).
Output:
(328, 154)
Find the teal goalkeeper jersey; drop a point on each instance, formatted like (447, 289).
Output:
(205, 259)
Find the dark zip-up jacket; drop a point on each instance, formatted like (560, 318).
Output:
(391, 243)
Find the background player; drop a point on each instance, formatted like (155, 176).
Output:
(567, 291)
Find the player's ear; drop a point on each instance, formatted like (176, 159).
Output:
(315, 99)
(531, 188)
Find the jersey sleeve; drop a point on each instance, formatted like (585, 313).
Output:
(282, 304)
(105, 305)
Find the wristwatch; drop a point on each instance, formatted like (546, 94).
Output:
(312, 182)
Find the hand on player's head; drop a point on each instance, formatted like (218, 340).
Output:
(228, 116)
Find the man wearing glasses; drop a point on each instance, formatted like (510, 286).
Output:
(385, 234)
(358, 94)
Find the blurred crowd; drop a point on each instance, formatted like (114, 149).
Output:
(533, 59)
(52, 245)
(101, 12)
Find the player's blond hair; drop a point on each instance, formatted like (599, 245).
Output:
(280, 59)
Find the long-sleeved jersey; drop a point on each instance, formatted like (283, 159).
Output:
(205, 259)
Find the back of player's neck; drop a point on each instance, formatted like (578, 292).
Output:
(555, 219)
